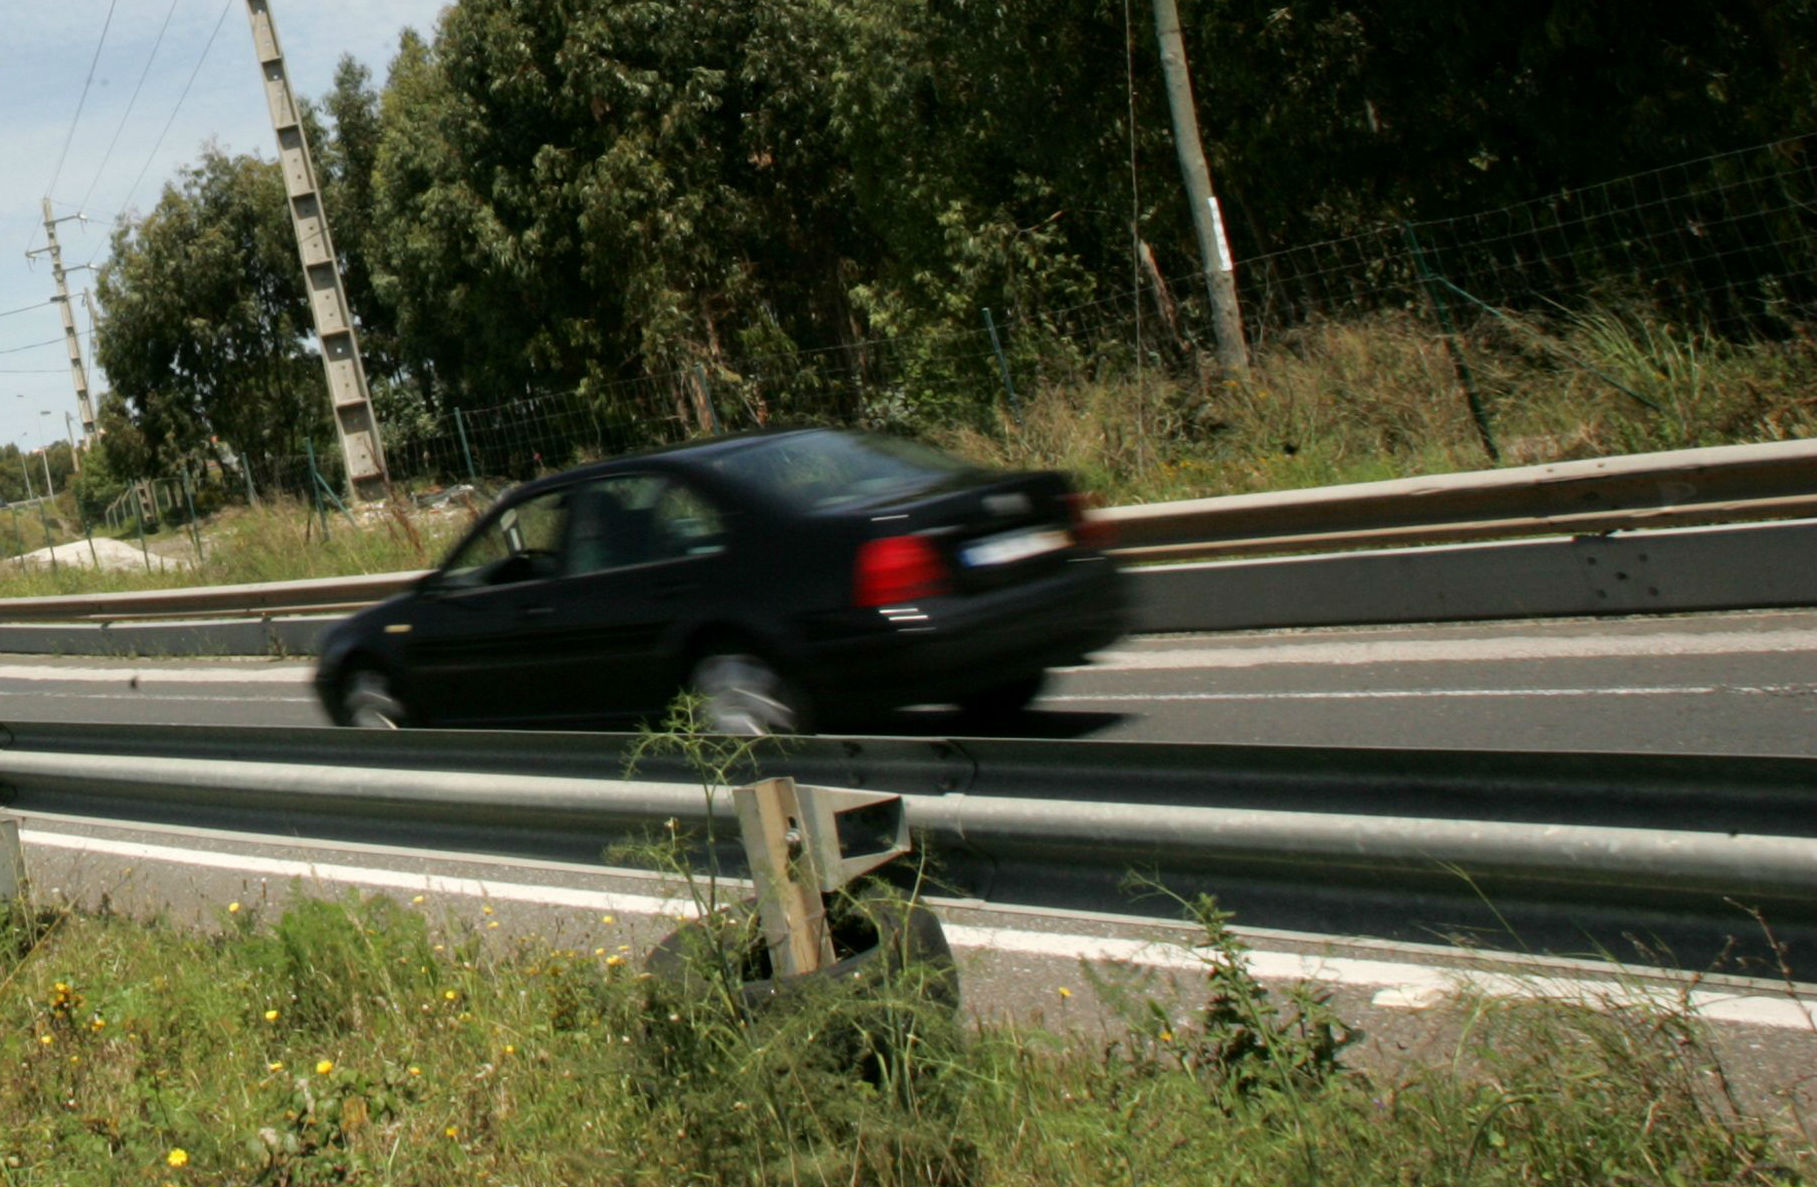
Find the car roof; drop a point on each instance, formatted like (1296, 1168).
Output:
(701, 448)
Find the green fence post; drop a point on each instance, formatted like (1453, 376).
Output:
(139, 519)
(1003, 368)
(189, 501)
(315, 485)
(1436, 294)
(461, 432)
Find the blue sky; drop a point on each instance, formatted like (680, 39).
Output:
(93, 154)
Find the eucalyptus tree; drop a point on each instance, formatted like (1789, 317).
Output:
(205, 333)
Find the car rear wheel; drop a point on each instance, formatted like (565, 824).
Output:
(368, 701)
(743, 693)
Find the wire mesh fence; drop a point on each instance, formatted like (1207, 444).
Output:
(1724, 244)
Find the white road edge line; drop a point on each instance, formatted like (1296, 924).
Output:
(1406, 651)
(1403, 694)
(1402, 986)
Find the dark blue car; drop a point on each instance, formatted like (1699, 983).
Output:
(794, 580)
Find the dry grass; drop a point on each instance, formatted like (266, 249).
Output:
(1359, 401)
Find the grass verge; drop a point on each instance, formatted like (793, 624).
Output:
(352, 1041)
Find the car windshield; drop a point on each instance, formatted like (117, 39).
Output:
(818, 471)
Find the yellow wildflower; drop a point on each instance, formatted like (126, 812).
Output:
(324, 1066)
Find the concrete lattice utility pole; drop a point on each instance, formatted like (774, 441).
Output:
(354, 417)
(70, 340)
(1208, 223)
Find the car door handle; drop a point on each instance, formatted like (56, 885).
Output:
(537, 611)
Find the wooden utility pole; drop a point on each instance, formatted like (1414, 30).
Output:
(354, 417)
(70, 340)
(1208, 223)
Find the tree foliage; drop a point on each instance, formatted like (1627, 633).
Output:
(557, 195)
(205, 325)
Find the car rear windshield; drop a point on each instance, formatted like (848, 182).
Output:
(819, 471)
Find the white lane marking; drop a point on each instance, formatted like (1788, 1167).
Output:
(1285, 651)
(1404, 651)
(1402, 985)
(1397, 694)
(241, 675)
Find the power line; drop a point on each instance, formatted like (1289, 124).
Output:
(83, 101)
(26, 308)
(33, 346)
(149, 59)
(159, 143)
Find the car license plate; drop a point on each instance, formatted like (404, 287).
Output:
(1008, 547)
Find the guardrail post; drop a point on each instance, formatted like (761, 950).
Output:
(782, 867)
(12, 860)
(792, 844)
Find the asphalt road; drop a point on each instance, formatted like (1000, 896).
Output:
(1739, 683)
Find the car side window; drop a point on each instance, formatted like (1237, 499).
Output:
(521, 544)
(687, 523)
(634, 519)
(612, 524)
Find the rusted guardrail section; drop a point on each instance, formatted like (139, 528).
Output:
(1725, 484)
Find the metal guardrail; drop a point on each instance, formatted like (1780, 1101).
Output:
(1724, 484)
(1728, 483)
(1608, 843)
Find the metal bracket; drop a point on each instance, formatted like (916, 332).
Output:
(796, 840)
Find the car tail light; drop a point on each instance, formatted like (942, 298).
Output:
(1097, 534)
(898, 569)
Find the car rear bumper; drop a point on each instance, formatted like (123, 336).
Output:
(952, 648)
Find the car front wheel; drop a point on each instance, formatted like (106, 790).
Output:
(369, 702)
(743, 693)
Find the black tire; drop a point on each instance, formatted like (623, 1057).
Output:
(878, 940)
(744, 693)
(1000, 702)
(367, 699)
